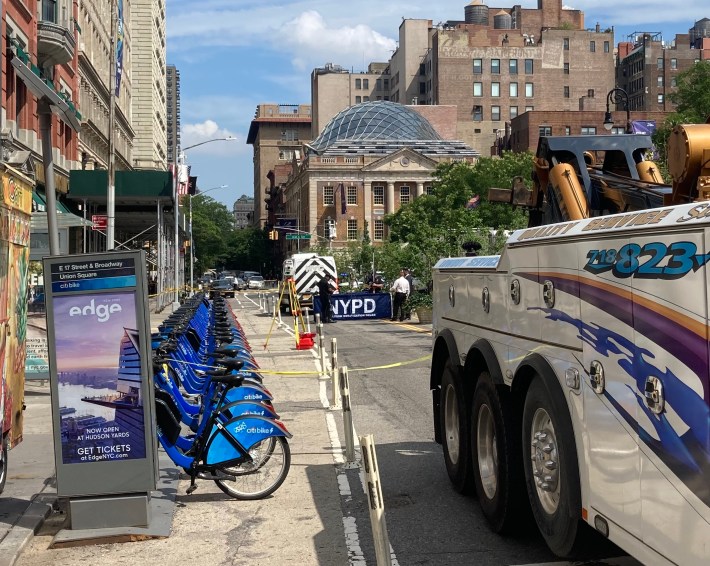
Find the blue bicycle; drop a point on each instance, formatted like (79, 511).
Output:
(246, 454)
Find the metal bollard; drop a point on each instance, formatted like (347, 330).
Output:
(347, 416)
(335, 375)
(321, 350)
(308, 319)
(317, 318)
(319, 334)
(376, 502)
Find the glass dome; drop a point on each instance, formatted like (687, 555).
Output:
(378, 120)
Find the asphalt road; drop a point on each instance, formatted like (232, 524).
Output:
(427, 521)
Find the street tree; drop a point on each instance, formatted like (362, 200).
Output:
(436, 225)
(692, 100)
(212, 226)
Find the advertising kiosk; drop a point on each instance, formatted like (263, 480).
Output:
(15, 210)
(102, 395)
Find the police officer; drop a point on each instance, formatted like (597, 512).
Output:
(325, 291)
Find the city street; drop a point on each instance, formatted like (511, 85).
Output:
(306, 520)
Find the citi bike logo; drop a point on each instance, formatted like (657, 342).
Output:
(101, 312)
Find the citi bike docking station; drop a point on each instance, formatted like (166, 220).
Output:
(101, 393)
(215, 419)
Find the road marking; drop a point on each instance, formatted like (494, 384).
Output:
(352, 538)
(617, 561)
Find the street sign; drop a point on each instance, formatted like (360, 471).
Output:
(298, 236)
(100, 221)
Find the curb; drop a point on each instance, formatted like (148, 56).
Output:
(25, 528)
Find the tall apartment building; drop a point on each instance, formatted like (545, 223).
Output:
(277, 133)
(243, 211)
(647, 66)
(500, 63)
(94, 77)
(172, 109)
(149, 84)
(334, 88)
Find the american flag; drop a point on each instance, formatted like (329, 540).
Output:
(183, 179)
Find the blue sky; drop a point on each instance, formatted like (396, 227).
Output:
(235, 54)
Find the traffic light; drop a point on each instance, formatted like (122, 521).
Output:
(273, 235)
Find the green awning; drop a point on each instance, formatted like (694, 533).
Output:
(65, 219)
(131, 186)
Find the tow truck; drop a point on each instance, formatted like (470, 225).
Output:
(570, 374)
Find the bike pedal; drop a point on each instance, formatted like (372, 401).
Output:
(190, 489)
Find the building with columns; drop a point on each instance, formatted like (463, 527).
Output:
(368, 161)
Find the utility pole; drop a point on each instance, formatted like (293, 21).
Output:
(111, 192)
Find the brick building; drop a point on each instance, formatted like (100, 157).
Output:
(527, 128)
(493, 65)
(41, 42)
(647, 67)
(277, 133)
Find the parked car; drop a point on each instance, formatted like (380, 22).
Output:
(222, 287)
(246, 275)
(255, 282)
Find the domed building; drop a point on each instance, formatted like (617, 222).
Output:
(369, 160)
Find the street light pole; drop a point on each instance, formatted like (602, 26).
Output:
(617, 96)
(192, 248)
(181, 163)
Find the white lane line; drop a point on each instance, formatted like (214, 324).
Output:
(352, 538)
(618, 561)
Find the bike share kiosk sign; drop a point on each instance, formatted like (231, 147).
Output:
(102, 398)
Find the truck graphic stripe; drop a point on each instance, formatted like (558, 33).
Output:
(678, 334)
(686, 454)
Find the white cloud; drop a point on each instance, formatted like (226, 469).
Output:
(314, 39)
(200, 133)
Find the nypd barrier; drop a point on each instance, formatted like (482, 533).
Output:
(357, 306)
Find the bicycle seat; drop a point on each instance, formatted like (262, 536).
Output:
(231, 364)
(226, 351)
(231, 379)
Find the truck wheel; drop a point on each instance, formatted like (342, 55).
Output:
(551, 469)
(3, 464)
(495, 452)
(454, 428)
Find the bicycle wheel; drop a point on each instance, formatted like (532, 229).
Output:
(260, 454)
(263, 476)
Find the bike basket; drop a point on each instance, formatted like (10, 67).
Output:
(229, 440)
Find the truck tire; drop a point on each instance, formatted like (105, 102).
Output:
(496, 454)
(551, 469)
(453, 415)
(3, 463)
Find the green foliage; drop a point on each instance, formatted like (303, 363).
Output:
(434, 226)
(692, 100)
(212, 225)
(419, 300)
(692, 97)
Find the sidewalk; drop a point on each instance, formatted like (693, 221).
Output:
(301, 523)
